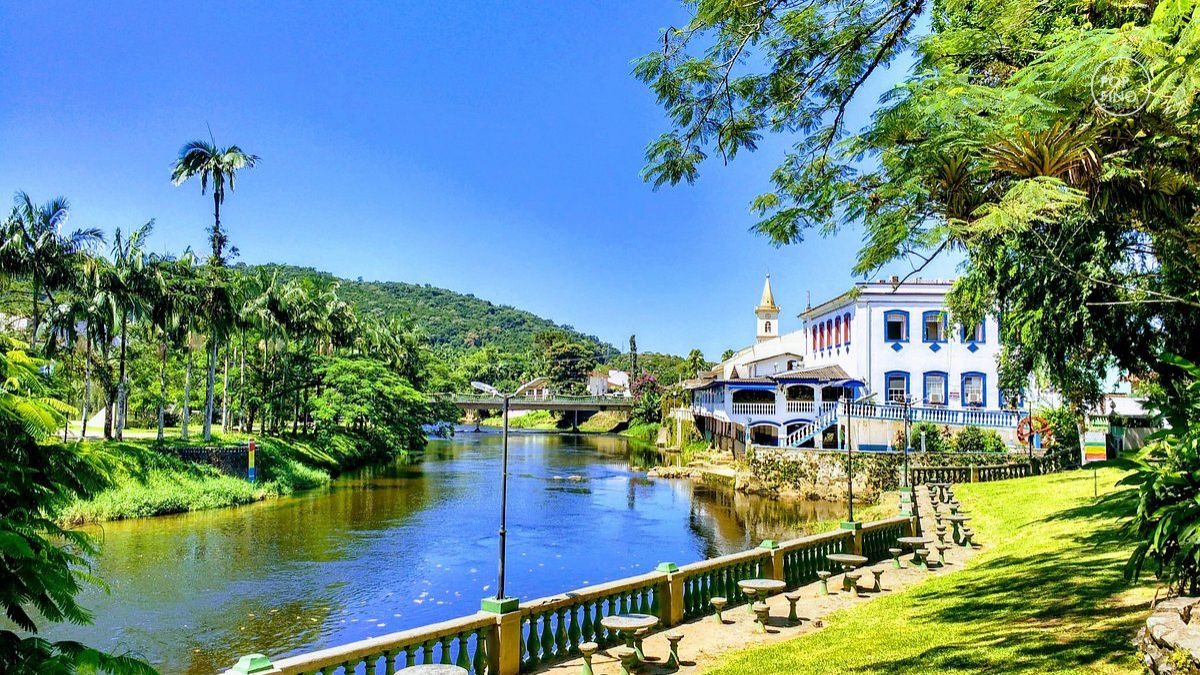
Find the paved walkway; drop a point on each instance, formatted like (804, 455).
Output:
(705, 640)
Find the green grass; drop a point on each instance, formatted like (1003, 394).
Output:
(534, 419)
(1046, 596)
(153, 483)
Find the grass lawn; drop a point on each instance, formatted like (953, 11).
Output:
(1047, 596)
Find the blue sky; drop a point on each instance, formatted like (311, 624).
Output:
(491, 148)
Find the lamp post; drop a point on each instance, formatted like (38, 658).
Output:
(907, 438)
(501, 604)
(849, 461)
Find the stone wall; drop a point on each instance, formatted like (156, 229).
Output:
(1170, 640)
(821, 474)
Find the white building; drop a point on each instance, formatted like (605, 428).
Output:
(608, 383)
(891, 347)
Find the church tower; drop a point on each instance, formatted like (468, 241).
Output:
(767, 313)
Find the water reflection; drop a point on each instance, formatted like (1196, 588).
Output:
(398, 546)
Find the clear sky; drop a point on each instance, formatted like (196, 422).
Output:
(489, 147)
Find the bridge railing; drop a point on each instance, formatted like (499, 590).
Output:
(557, 398)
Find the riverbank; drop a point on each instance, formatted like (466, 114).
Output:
(1046, 595)
(151, 481)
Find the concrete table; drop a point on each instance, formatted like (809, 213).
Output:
(849, 562)
(753, 588)
(914, 543)
(432, 669)
(956, 521)
(627, 626)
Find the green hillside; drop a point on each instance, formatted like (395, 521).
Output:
(455, 321)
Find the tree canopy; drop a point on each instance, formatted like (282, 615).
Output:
(1053, 144)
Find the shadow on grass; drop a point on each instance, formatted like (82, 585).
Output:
(1066, 606)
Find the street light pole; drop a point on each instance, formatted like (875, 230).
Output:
(907, 438)
(849, 461)
(501, 604)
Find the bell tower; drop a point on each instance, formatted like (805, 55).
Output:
(767, 313)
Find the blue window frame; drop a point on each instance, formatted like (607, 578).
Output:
(977, 334)
(936, 387)
(933, 326)
(895, 386)
(895, 326)
(974, 390)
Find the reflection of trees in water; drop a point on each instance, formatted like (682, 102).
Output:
(275, 631)
(719, 515)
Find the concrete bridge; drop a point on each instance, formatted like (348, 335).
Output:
(558, 403)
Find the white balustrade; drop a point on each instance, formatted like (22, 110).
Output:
(753, 408)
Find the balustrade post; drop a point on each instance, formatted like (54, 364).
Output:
(777, 568)
(974, 473)
(504, 645)
(670, 595)
(856, 542)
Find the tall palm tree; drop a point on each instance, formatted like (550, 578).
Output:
(173, 289)
(219, 166)
(128, 291)
(35, 248)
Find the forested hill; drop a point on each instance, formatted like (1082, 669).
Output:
(456, 321)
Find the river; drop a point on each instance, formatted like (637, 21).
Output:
(398, 546)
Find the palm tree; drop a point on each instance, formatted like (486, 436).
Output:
(173, 290)
(128, 289)
(35, 249)
(218, 166)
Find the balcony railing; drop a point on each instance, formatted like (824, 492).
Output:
(753, 408)
(977, 418)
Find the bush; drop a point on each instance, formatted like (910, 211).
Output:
(1064, 425)
(1166, 476)
(935, 438)
(974, 439)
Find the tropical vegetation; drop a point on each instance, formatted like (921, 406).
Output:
(1167, 476)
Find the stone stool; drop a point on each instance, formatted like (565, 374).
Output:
(628, 659)
(587, 649)
(718, 604)
(639, 635)
(793, 597)
(852, 580)
(878, 572)
(920, 557)
(941, 549)
(941, 534)
(967, 533)
(673, 639)
(824, 577)
(762, 614)
(896, 556)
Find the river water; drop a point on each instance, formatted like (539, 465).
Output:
(398, 546)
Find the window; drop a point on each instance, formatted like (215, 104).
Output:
(974, 392)
(829, 336)
(766, 327)
(846, 328)
(814, 338)
(897, 386)
(895, 324)
(933, 326)
(837, 331)
(974, 334)
(935, 388)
